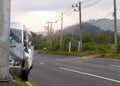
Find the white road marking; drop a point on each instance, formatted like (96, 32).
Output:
(42, 63)
(114, 66)
(89, 74)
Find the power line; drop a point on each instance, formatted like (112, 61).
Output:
(85, 1)
(91, 4)
(68, 14)
(108, 15)
(68, 9)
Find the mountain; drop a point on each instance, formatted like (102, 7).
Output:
(90, 27)
(105, 24)
(87, 29)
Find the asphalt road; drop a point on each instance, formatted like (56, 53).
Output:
(55, 70)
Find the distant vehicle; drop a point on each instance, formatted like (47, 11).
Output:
(21, 49)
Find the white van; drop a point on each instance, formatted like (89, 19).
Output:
(21, 49)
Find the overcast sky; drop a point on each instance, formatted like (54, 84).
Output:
(34, 13)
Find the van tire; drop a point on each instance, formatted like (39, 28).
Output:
(24, 75)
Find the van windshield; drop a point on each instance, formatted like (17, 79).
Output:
(15, 35)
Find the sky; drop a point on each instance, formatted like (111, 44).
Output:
(35, 13)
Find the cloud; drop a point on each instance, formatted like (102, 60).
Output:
(35, 20)
(28, 5)
(34, 13)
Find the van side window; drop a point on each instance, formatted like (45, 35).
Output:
(15, 35)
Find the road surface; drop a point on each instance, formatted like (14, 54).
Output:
(56, 70)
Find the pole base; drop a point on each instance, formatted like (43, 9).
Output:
(5, 75)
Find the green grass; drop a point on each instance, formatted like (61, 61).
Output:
(110, 54)
(20, 83)
(66, 53)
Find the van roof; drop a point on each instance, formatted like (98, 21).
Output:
(17, 25)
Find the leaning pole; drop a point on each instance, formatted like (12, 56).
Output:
(4, 40)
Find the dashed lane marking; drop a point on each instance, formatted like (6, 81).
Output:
(42, 63)
(114, 66)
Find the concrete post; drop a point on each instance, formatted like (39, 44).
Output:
(69, 46)
(4, 40)
(78, 46)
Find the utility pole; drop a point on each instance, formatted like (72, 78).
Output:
(115, 26)
(4, 40)
(80, 21)
(48, 32)
(51, 31)
(51, 34)
(61, 36)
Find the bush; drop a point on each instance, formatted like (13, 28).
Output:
(88, 46)
(118, 49)
(56, 47)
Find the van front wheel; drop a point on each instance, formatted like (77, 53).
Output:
(24, 75)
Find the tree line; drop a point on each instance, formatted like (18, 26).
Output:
(100, 42)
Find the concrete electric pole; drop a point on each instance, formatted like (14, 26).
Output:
(80, 21)
(4, 40)
(51, 31)
(48, 32)
(115, 27)
(61, 31)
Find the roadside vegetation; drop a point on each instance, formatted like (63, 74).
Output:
(101, 44)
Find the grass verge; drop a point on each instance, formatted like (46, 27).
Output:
(67, 53)
(109, 55)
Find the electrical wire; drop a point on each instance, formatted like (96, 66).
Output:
(107, 16)
(91, 4)
(70, 7)
(65, 11)
(67, 15)
(68, 11)
(85, 1)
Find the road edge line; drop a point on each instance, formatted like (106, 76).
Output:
(92, 75)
